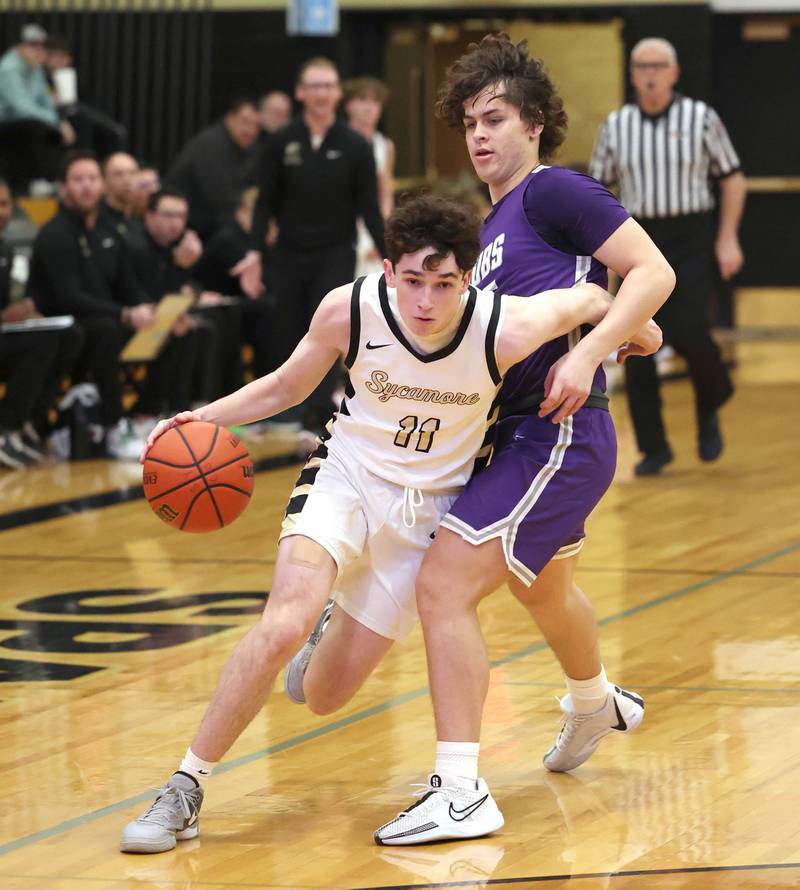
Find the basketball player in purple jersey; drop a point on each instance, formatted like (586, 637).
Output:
(521, 520)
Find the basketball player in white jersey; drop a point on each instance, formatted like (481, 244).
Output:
(425, 355)
(364, 100)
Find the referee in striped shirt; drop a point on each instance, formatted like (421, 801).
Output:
(664, 151)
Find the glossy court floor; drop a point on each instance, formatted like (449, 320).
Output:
(113, 628)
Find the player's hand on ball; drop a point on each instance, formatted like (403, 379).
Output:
(163, 425)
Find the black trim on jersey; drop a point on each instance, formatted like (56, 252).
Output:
(307, 476)
(296, 504)
(355, 323)
(491, 333)
(440, 353)
(321, 451)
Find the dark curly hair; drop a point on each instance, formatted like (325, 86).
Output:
(426, 220)
(496, 61)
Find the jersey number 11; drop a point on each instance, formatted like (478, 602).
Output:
(409, 425)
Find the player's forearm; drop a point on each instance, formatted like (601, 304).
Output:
(256, 400)
(574, 306)
(640, 295)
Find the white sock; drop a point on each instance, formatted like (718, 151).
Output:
(197, 768)
(589, 695)
(458, 759)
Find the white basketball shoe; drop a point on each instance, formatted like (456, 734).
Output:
(449, 808)
(581, 733)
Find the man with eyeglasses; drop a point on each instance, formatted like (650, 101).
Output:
(317, 178)
(202, 358)
(665, 151)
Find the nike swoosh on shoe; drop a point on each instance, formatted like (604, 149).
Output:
(622, 726)
(461, 815)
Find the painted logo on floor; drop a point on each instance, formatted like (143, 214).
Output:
(52, 628)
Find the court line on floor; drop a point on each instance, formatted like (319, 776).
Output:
(393, 702)
(620, 570)
(83, 558)
(660, 688)
(445, 885)
(101, 500)
(627, 873)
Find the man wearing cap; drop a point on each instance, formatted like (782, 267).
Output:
(30, 130)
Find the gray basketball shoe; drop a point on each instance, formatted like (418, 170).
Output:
(295, 671)
(173, 816)
(581, 733)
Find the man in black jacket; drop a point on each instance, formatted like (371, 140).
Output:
(120, 171)
(204, 353)
(82, 268)
(214, 271)
(216, 165)
(32, 364)
(317, 178)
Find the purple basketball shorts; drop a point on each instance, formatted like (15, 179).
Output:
(543, 481)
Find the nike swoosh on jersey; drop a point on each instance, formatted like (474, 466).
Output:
(461, 815)
(377, 345)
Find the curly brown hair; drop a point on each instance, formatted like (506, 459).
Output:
(426, 220)
(497, 62)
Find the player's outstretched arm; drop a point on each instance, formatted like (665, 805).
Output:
(531, 321)
(326, 339)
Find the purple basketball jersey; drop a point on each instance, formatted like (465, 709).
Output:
(574, 214)
(544, 479)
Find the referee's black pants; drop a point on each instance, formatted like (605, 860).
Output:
(300, 279)
(687, 243)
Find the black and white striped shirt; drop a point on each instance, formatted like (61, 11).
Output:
(664, 164)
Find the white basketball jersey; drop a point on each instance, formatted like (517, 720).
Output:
(417, 420)
(380, 150)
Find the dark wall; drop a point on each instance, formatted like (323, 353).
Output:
(150, 71)
(756, 90)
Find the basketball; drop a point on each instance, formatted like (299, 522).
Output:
(198, 477)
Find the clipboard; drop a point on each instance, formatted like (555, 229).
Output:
(146, 345)
(48, 323)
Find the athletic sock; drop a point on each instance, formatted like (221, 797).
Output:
(589, 695)
(458, 759)
(196, 767)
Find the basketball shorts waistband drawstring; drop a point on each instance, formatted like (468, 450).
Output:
(412, 501)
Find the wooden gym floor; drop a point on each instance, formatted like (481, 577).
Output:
(113, 629)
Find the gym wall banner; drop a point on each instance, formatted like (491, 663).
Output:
(312, 18)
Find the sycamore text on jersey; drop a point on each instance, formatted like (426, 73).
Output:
(380, 384)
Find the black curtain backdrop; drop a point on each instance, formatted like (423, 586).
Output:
(149, 70)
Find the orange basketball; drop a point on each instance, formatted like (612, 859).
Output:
(198, 477)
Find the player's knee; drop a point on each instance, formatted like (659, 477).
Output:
(431, 593)
(323, 702)
(282, 637)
